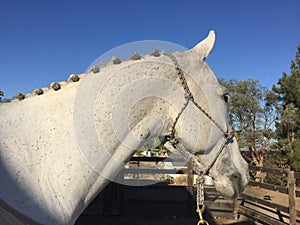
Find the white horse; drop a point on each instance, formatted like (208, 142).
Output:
(60, 146)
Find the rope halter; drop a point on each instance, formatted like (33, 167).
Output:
(175, 143)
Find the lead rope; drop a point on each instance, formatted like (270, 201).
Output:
(200, 182)
(200, 207)
(200, 200)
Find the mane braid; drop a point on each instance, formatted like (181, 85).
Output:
(57, 86)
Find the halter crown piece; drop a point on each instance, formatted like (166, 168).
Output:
(174, 142)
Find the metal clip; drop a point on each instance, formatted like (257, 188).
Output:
(200, 210)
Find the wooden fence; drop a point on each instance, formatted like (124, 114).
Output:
(141, 170)
(145, 187)
(279, 211)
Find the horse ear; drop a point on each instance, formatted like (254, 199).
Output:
(205, 46)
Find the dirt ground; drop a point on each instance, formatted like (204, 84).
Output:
(276, 197)
(273, 197)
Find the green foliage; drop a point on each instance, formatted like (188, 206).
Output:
(169, 179)
(276, 158)
(294, 155)
(1, 95)
(288, 124)
(252, 114)
(267, 122)
(275, 180)
(152, 144)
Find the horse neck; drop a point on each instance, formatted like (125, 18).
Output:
(48, 178)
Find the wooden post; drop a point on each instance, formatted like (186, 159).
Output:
(190, 178)
(292, 197)
(190, 189)
(235, 210)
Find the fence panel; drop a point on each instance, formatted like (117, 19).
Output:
(268, 210)
(264, 210)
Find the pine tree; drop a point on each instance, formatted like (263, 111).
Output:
(252, 115)
(288, 124)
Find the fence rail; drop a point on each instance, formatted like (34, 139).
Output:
(264, 210)
(272, 187)
(281, 212)
(285, 213)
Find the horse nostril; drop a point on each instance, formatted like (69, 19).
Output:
(235, 176)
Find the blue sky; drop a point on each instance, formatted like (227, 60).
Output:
(44, 41)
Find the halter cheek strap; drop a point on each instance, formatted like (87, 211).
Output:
(189, 98)
(171, 142)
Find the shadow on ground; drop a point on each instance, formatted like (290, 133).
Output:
(152, 205)
(116, 220)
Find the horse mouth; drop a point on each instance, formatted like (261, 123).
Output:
(232, 188)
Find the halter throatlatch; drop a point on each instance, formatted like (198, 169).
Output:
(173, 142)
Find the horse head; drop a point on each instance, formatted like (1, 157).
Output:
(202, 132)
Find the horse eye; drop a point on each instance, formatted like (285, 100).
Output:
(226, 97)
